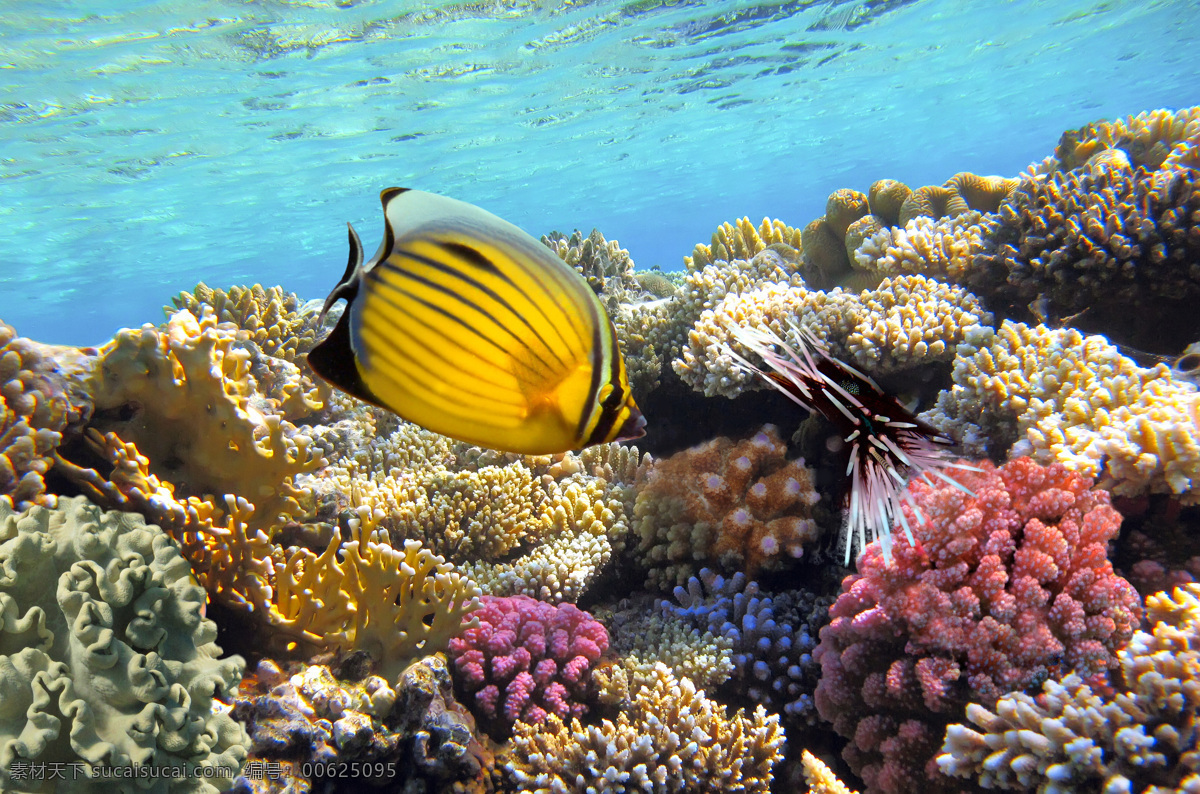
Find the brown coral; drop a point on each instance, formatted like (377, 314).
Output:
(1153, 139)
(824, 249)
(742, 240)
(885, 198)
(739, 505)
(844, 207)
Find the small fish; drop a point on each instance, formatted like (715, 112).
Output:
(469, 327)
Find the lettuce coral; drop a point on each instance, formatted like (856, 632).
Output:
(1139, 734)
(105, 655)
(1005, 582)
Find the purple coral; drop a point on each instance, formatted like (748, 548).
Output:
(772, 636)
(527, 659)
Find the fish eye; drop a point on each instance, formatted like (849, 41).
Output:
(1189, 362)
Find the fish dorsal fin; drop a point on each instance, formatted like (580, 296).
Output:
(348, 287)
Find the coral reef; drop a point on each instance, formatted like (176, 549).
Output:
(1139, 734)
(905, 322)
(742, 240)
(413, 736)
(820, 778)
(995, 592)
(39, 398)
(1063, 397)
(737, 505)
(771, 638)
(526, 659)
(1154, 139)
(671, 739)
(106, 659)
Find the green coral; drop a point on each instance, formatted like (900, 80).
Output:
(106, 659)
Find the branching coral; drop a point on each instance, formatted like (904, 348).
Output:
(737, 505)
(904, 322)
(1107, 239)
(527, 659)
(673, 739)
(1076, 400)
(1153, 139)
(1000, 589)
(105, 655)
(771, 638)
(1138, 735)
(644, 639)
(945, 249)
(742, 240)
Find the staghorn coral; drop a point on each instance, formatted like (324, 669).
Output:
(1110, 240)
(527, 659)
(1153, 139)
(185, 397)
(906, 321)
(996, 591)
(1137, 735)
(673, 739)
(741, 240)
(820, 778)
(106, 658)
(39, 399)
(1076, 400)
(739, 505)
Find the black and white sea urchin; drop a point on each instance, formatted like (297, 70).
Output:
(886, 444)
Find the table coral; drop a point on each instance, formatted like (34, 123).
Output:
(1001, 589)
(904, 322)
(526, 659)
(105, 656)
(1137, 735)
(735, 504)
(673, 739)
(1076, 400)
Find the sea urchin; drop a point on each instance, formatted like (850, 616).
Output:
(886, 443)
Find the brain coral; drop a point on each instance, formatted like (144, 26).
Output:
(1139, 734)
(739, 505)
(1001, 589)
(105, 656)
(527, 659)
(1153, 139)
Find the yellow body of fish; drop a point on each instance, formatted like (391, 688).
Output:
(466, 325)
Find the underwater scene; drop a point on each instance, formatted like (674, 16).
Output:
(552, 397)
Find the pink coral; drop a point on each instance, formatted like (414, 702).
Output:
(527, 659)
(1001, 589)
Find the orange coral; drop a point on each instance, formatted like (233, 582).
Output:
(739, 505)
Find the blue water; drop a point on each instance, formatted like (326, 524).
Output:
(146, 146)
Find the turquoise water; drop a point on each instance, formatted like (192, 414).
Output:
(147, 146)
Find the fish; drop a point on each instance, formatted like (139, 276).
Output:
(466, 325)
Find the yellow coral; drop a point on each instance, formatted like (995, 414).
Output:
(741, 240)
(649, 639)
(183, 395)
(819, 777)
(885, 198)
(904, 320)
(844, 207)
(674, 739)
(1154, 139)
(1076, 400)
(944, 248)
